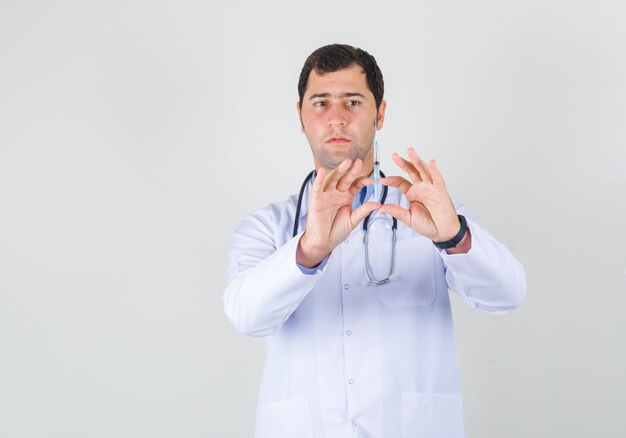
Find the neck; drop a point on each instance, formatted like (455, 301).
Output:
(367, 169)
(368, 162)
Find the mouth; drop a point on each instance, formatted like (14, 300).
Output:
(338, 140)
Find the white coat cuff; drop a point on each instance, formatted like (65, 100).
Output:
(469, 259)
(312, 271)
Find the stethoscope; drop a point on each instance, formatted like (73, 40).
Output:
(394, 227)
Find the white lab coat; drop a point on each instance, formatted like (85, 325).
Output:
(347, 359)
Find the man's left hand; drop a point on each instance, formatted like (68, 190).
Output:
(431, 212)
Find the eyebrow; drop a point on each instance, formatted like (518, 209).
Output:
(340, 95)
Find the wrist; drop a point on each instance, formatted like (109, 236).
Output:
(308, 255)
(463, 246)
(457, 238)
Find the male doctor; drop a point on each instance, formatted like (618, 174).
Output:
(359, 333)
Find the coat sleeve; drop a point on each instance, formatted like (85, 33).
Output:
(265, 284)
(488, 277)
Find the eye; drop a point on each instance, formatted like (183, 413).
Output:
(353, 103)
(319, 103)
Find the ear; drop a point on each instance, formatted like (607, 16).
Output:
(380, 118)
(299, 109)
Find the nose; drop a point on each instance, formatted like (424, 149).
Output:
(337, 116)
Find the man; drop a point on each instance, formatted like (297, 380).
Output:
(359, 334)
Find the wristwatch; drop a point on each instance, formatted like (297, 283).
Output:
(456, 239)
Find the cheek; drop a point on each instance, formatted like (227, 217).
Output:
(365, 123)
(312, 123)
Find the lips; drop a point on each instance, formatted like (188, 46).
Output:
(337, 139)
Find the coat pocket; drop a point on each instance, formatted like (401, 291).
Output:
(413, 282)
(286, 419)
(433, 415)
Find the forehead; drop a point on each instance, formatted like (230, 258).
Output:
(346, 80)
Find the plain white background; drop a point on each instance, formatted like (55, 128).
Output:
(134, 136)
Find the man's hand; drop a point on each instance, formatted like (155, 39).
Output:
(330, 218)
(431, 212)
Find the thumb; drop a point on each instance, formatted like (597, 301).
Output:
(361, 212)
(402, 214)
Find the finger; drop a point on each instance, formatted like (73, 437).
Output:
(434, 171)
(345, 182)
(318, 182)
(364, 181)
(361, 212)
(408, 167)
(335, 174)
(420, 165)
(359, 183)
(402, 214)
(400, 183)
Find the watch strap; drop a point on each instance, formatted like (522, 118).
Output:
(456, 239)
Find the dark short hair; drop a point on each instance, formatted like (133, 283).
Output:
(335, 57)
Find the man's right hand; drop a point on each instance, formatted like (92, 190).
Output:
(330, 218)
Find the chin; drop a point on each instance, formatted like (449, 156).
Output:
(333, 156)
